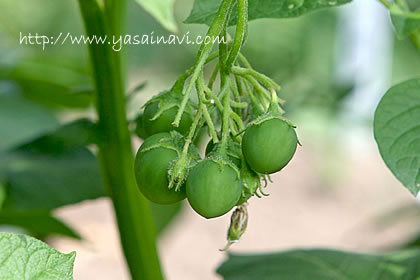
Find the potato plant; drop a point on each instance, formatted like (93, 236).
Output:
(223, 97)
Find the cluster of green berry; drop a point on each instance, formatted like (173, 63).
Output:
(232, 169)
(243, 116)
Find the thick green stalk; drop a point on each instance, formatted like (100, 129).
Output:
(132, 211)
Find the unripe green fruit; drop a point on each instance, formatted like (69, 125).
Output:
(213, 188)
(268, 146)
(163, 123)
(151, 171)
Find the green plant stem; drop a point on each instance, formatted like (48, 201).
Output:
(179, 84)
(203, 107)
(266, 81)
(215, 98)
(237, 120)
(234, 131)
(274, 104)
(256, 106)
(213, 76)
(194, 127)
(238, 85)
(135, 223)
(240, 33)
(226, 116)
(244, 61)
(258, 88)
(235, 92)
(215, 29)
(240, 105)
(224, 83)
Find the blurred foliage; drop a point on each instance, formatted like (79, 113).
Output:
(38, 223)
(164, 214)
(162, 11)
(405, 19)
(414, 5)
(44, 165)
(21, 120)
(204, 11)
(405, 62)
(51, 85)
(321, 264)
(402, 214)
(304, 52)
(52, 171)
(415, 242)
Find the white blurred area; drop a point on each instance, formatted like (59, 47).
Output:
(335, 192)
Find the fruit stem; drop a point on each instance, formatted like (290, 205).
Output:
(240, 105)
(256, 107)
(237, 120)
(213, 96)
(181, 163)
(244, 61)
(224, 84)
(237, 98)
(274, 104)
(240, 33)
(178, 170)
(226, 115)
(179, 84)
(203, 106)
(264, 95)
(213, 76)
(216, 27)
(134, 219)
(266, 81)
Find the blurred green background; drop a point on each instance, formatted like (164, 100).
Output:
(42, 89)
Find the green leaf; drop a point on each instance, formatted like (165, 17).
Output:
(38, 223)
(26, 258)
(322, 264)
(397, 132)
(38, 181)
(21, 121)
(414, 242)
(162, 11)
(204, 11)
(77, 134)
(53, 170)
(51, 85)
(405, 23)
(56, 170)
